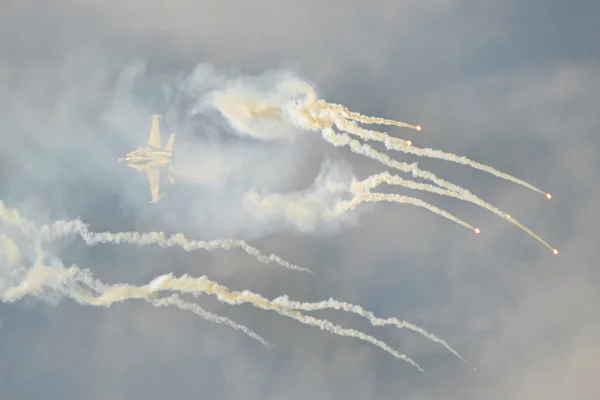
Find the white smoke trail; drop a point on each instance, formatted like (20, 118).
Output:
(48, 276)
(336, 114)
(303, 209)
(360, 198)
(358, 310)
(64, 228)
(312, 114)
(41, 278)
(65, 281)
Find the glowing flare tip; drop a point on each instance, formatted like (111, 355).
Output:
(548, 196)
(418, 127)
(408, 142)
(555, 251)
(477, 231)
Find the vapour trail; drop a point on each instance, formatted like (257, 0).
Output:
(376, 180)
(463, 194)
(67, 282)
(202, 284)
(359, 198)
(333, 112)
(455, 191)
(62, 279)
(176, 301)
(79, 285)
(63, 228)
(313, 114)
(358, 310)
(57, 277)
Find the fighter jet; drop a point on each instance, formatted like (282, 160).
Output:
(153, 159)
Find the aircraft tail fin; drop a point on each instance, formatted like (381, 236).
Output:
(169, 145)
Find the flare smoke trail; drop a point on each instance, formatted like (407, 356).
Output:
(259, 115)
(79, 284)
(305, 111)
(63, 228)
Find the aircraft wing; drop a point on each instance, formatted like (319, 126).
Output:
(154, 181)
(154, 139)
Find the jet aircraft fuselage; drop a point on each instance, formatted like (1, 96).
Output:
(147, 157)
(153, 159)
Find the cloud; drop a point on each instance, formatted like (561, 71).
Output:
(78, 82)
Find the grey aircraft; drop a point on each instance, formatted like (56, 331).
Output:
(153, 159)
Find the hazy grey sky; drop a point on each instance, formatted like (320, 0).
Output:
(511, 84)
